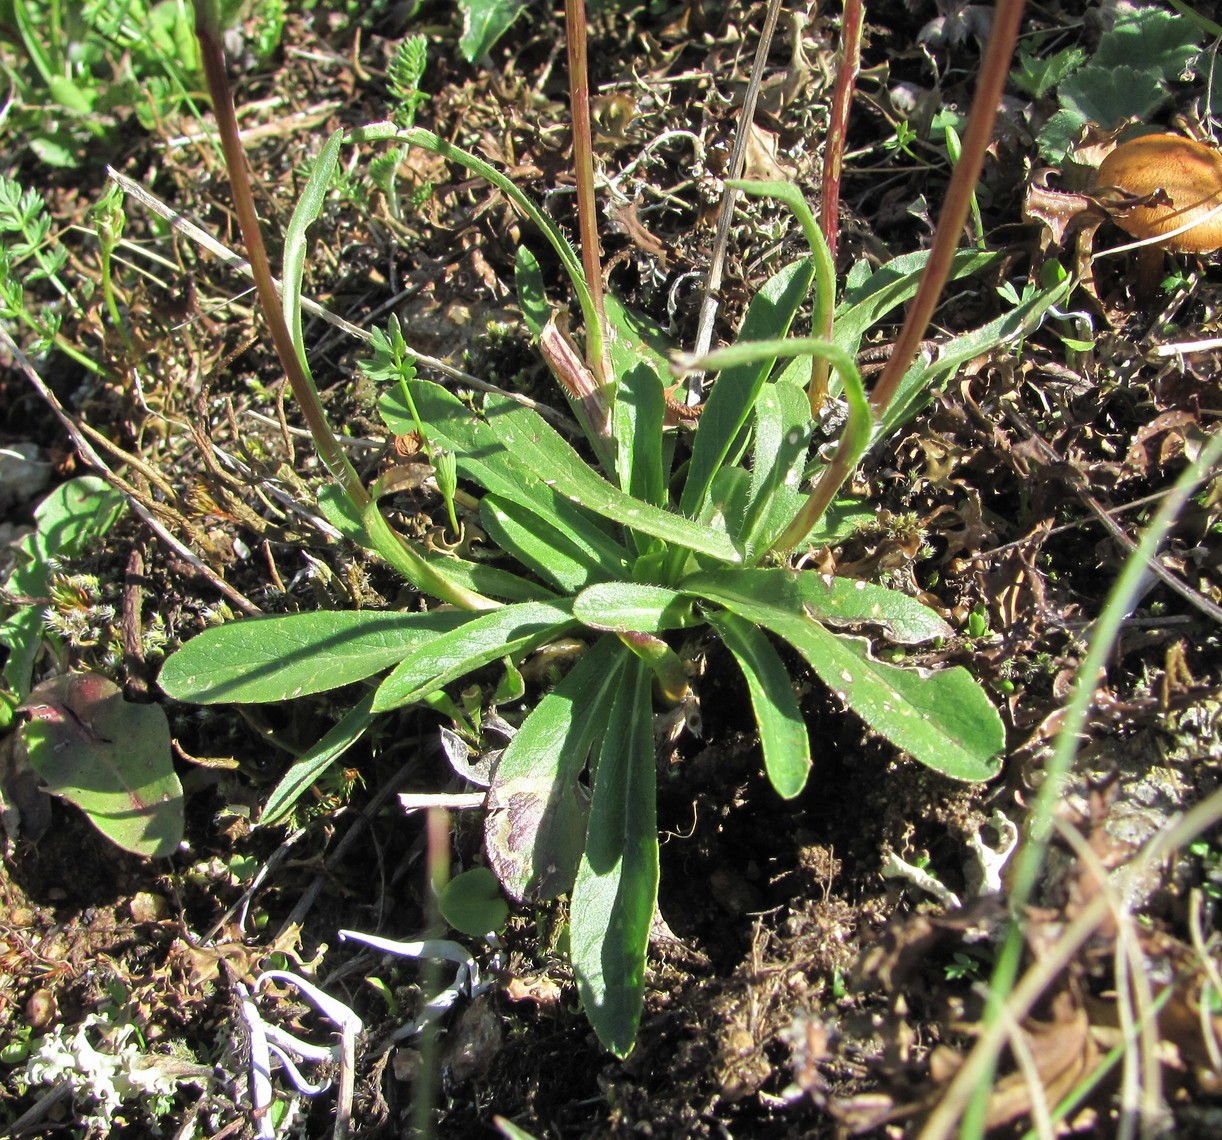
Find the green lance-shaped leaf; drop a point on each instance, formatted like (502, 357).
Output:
(729, 405)
(308, 767)
(484, 459)
(782, 439)
(617, 880)
(479, 640)
(846, 603)
(783, 736)
(308, 207)
(942, 719)
(868, 300)
(554, 554)
(110, 758)
(277, 658)
(536, 824)
(518, 454)
(631, 607)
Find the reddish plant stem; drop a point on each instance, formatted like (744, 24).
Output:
(212, 56)
(833, 164)
(847, 68)
(994, 69)
(583, 169)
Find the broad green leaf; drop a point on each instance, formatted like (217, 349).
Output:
(315, 761)
(110, 758)
(483, 23)
(1152, 37)
(845, 603)
(942, 719)
(551, 553)
(479, 640)
(277, 658)
(729, 405)
(536, 824)
(783, 737)
(472, 903)
(627, 606)
(617, 880)
(636, 421)
(1110, 95)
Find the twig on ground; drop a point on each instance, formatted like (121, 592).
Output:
(89, 455)
(738, 157)
(241, 265)
(1127, 545)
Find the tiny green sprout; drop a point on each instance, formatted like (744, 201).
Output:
(964, 967)
(445, 468)
(243, 867)
(902, 140)
(954, 148)
(17, 1048)
(978, 623)
(386, 994)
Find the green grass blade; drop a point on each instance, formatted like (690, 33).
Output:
(278, 658)
(536, 825)
(783, 737)
(308, 207)
(617, 880)
(729, 405)
(479, 640)
(313, 763)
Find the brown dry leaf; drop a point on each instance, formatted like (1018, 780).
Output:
(1063, 1051)
(1169, 425)
(1059, 212)
(538, 989)
(762, 160)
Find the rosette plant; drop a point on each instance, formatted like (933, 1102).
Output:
(625, 549)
